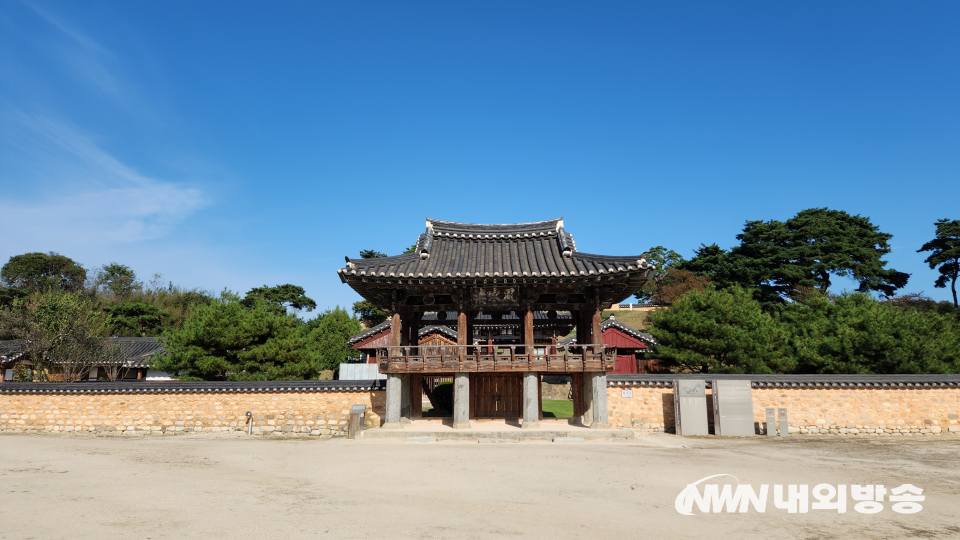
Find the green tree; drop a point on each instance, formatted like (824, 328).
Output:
(945, 254)
(226, 340)
(136, 319)
(117, 279)
(61, 333)
(280, 298)
(724, 331)
(781, 259)
(42, 271)
(664, 259)
(371, 254)
(9, 294)
(854, 333)
(331, 335)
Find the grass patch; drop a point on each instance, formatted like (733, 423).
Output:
(557, 408)
(635, 319)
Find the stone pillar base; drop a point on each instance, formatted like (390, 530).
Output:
(392, 425)
(530, 425)
(600, 425)
(461, 425)
(405, 421)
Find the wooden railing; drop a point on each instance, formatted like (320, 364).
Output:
(494, 358)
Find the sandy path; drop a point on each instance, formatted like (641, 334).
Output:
(209, 487)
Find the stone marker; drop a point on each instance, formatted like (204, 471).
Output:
(732, 408)
(784, 426)
(356, 421)
(690, 406)
(771, 426)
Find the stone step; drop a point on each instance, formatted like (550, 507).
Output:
(518, 435)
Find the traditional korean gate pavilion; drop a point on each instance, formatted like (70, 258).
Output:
(502, 272)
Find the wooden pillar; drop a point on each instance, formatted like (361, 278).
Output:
(462, 328)
(528, 331)
(596, 320)
(395, 329)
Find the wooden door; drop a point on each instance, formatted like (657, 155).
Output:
(495, 395)
(626, 363)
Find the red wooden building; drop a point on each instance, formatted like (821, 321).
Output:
(633, 347)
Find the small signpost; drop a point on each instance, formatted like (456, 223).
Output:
(733, 408)
(784, 426)
(690, 406)
(771, 426)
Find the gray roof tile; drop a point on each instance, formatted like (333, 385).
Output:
(450, 250)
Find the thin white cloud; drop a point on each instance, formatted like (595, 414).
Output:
(83, 195)
(84, 56)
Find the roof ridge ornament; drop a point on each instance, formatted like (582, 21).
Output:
(565, 248)
(427, 243)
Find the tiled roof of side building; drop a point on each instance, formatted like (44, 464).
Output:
(440, 329)
(10, 350)
(129, 351)
(612, 322)
(465, 250)
(372, 331)
(385, 325)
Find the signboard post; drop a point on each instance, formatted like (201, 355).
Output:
(771, 426)
(784, 426)
(690, 406)
(732, 408)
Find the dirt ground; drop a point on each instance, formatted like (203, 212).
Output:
(231, 486)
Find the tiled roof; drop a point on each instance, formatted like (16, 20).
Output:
(10, 350)
(450, 250)
(385, 325)
(439, 328)
(792, 381)
(183, 387)
(135, 351)
(132, 352)
(612, 322)
(372, 331)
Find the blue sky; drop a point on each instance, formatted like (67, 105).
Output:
(234, 145)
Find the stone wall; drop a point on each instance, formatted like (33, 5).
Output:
(555, 391)
(819, 408)
(304, 412)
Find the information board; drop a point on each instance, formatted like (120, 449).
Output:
(690, 406)
(732, 408)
